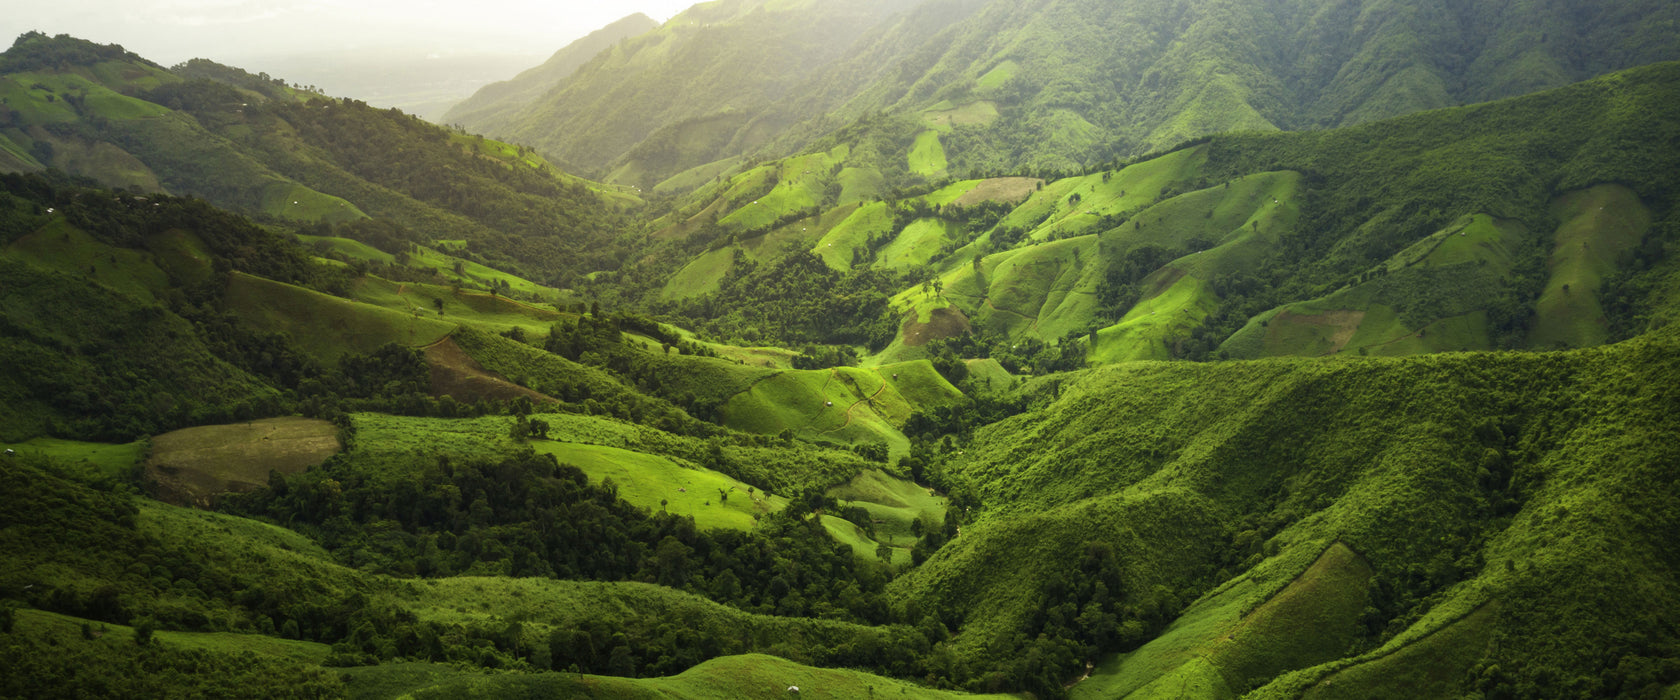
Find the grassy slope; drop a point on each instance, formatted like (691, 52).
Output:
(893, 502)
(727, 678)
(1598, 226)
(836, 246)
(324, 326)
(658, 484)
(1427, 298)
(846, 405)
(84, 461)
(1156, 458)
(285, 560)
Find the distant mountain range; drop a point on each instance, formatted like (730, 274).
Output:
(1058, 84)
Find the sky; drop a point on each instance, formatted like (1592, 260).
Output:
(232, 31)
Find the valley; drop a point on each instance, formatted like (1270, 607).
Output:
(960, 351)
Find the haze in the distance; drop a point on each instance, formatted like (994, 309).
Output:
(412, 54)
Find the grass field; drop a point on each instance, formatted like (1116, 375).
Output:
(324, 326)
(703, 275)
(836, 246)
(294, 201)
(1434, 666)
(1239, 632)
(1598, 226)
(893, 503)
(386, 445)
(997, 76)
(62, 247)
(490, 312)
(944, 116)
(927, 156)
(194, 464)
(916, 245)
(845, 405)
(989, 375)
(67, 627)
(659, 484)
(85, 461)
(746, 676)
(1458, 269)
(861, 184)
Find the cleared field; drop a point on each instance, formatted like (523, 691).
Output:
(85, 460)
(659, 484)
(324, 326)
(1012, 190)
(845, 405)
(455, 373)
(62, 247)
(1240, 631)
(927, 156)
(916, 244)
(491, 312)
(870, 220)
(1458, 269)
(893, 503)
(294, 201)
(703, 275)
(748, 676)
(192, 465)
(1434, 666)
(1599, 225)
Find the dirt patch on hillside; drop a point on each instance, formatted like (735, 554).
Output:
(948, 322)
(1343, 324)
(1010, 190)
(193, 466)
(457, 374)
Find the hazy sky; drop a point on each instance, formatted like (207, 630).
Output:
(171, 31)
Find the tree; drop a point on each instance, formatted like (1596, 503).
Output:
(143, 631)
(621, 662)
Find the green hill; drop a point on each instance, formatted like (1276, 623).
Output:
(245, 143)
(686, 93)
(493, 101)
(1061, 348)
(1011, 84)
(1195, 474)
(1421, 234)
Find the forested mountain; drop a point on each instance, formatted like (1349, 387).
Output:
(251, 144)
(1002, 85)
(492, 102)
(1343, 389)
(687, 94)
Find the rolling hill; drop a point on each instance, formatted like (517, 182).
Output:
(1501, 225)
(248, 144)
(1055, 349)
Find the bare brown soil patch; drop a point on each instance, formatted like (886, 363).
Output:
(1345, 323)
(457, 374)
(1010, 190)
(193, 466)
(948, 322)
